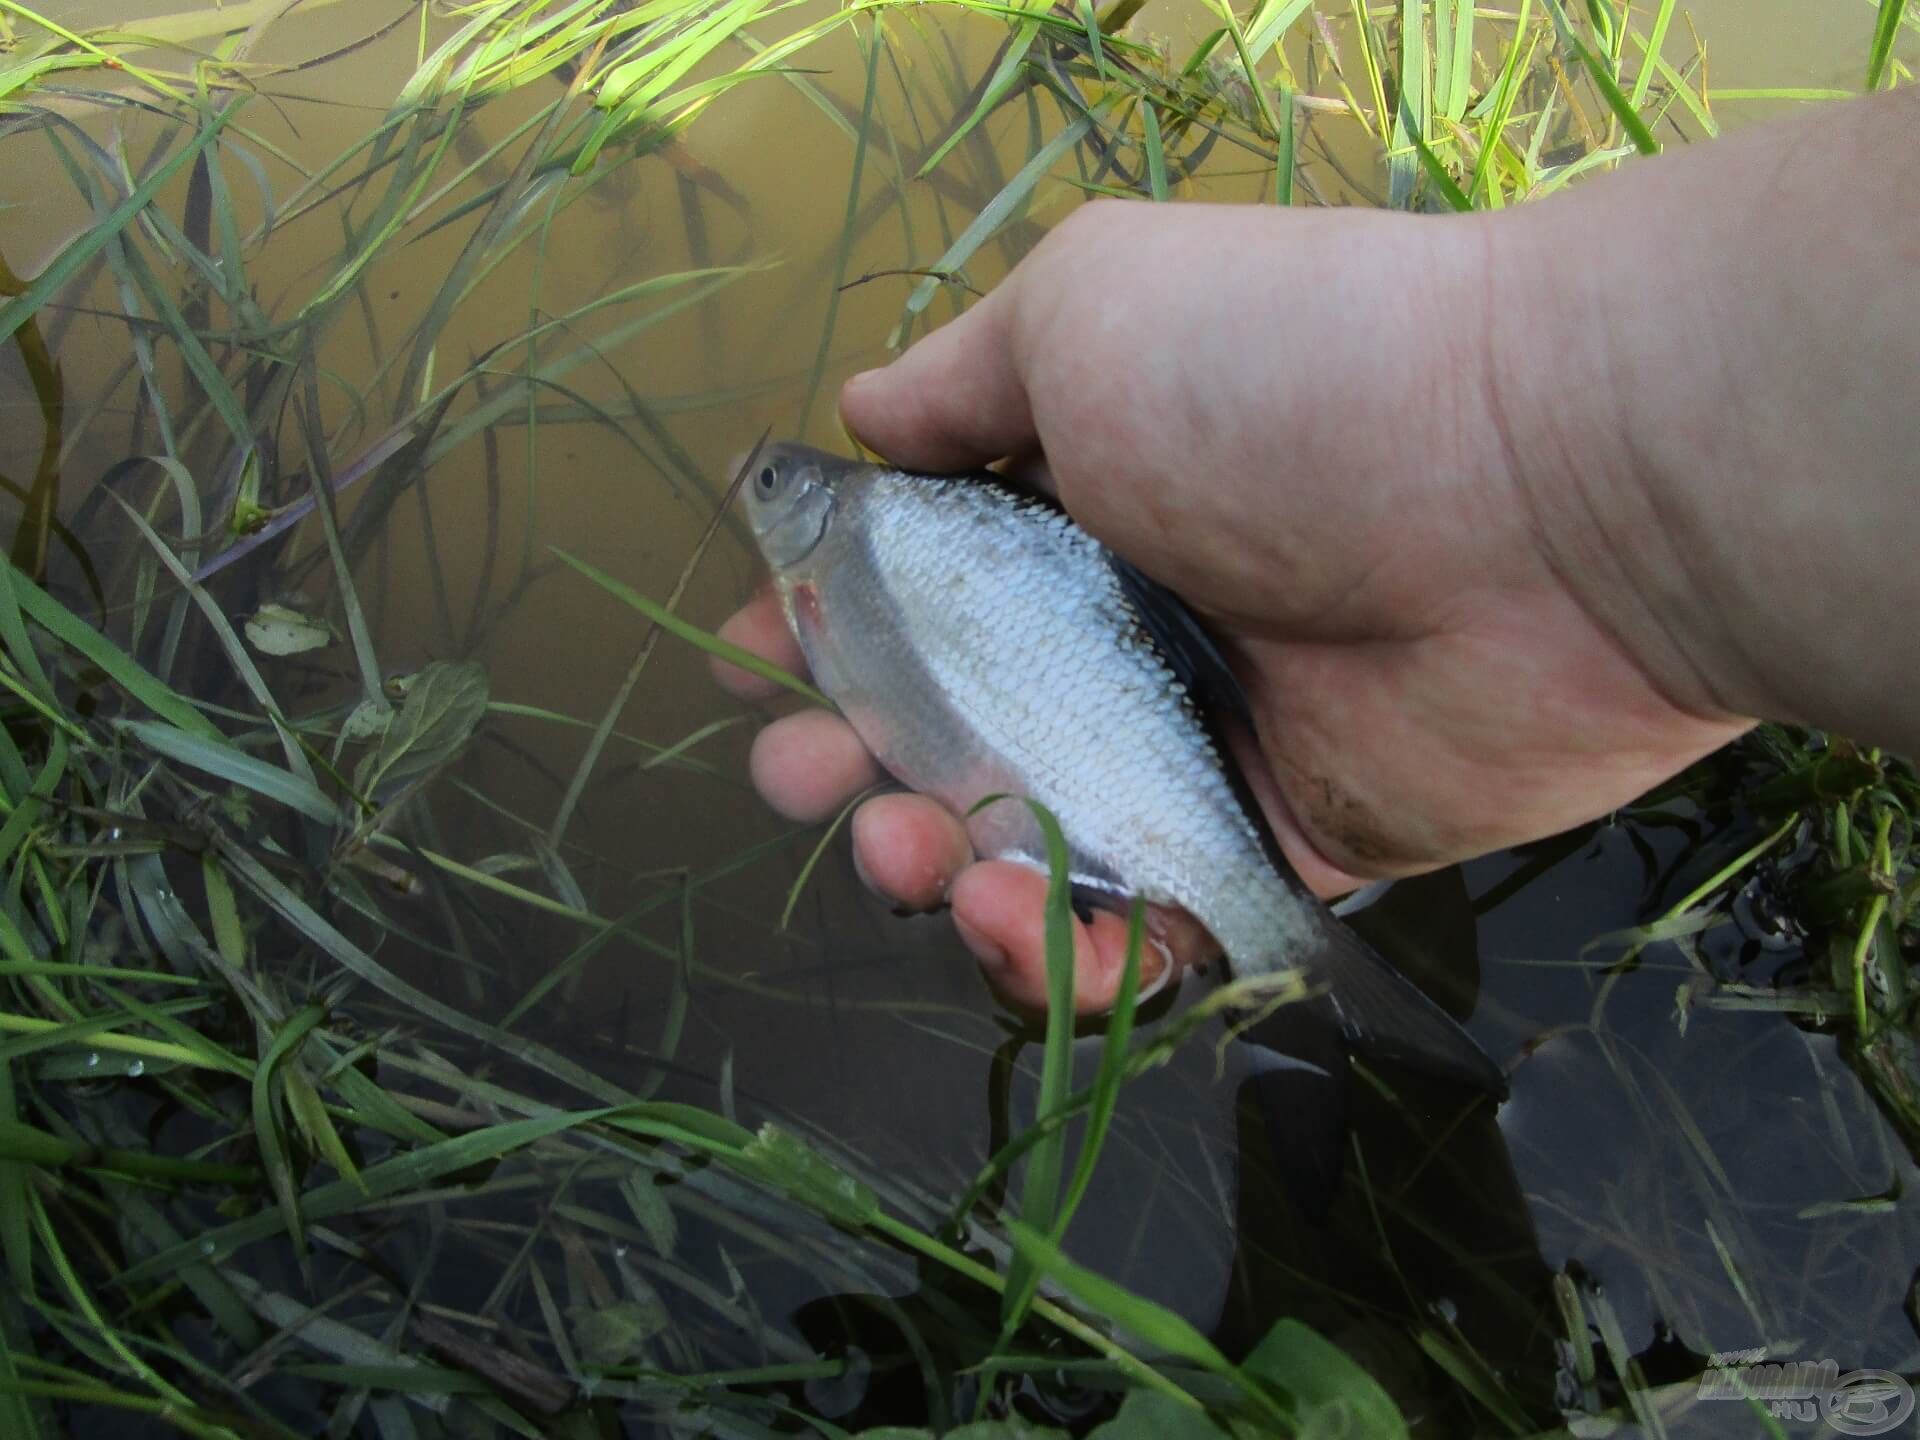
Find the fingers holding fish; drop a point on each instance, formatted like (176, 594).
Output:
(909, 849)
(761, 629)
(999, 909)
(915, 853)
(807, 765)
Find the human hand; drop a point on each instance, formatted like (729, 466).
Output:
(1313, 426)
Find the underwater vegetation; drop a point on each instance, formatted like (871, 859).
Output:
(325, 1106)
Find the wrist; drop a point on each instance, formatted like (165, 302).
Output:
(1564, 393)
(1706, 364)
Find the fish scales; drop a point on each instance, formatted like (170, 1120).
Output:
(1044, 685)
(982, 644)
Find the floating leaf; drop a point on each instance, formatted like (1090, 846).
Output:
(282, 630)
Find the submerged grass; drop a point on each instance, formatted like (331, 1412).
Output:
(252, 1152)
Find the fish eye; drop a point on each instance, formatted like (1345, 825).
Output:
(767, 479)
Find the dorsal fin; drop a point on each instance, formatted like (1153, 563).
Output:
(1214, 691)
(1192, 654)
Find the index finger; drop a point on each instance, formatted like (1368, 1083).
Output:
(759, 626)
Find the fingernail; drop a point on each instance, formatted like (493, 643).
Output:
(1156, 968)
(864, 377)
(860, 869)
(989, 954)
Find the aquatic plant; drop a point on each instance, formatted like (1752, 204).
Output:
(263, 1099)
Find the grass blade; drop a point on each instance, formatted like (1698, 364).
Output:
(996, 89)
(1886, 27)
(1156, 152)
(1519, 57)
(221, 760)
(847, 224)
(990, 219)
(693, 634)
(1040, 1185)
(73, 632)
(1157, 1326)
(267, 1137)
(1616, 99)
(88, 243)
(1644, 80)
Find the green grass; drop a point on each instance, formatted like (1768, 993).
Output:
(281, 1070)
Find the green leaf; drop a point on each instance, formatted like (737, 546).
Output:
(615, 1334)
(318, 932)
(1453, 194)
(1271, 22)
(229, 936)
(1412, 116)
(1146, 1415)
(1518, 58)
(1040, 1185)
(1644, 80)
(1284, 157)
(309, 1112)
(16, 1237)
(1328, 1393)
(655, 1214)
(1452, 57)
(413, 1170)
(1112, 1073)
(266, 1124)
(442, 709)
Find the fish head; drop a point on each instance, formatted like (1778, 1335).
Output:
(789, 498)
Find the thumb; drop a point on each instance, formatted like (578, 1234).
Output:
(955, 401)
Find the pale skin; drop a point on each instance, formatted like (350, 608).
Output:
(1502, 519)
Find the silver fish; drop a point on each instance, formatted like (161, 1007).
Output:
(981, 643)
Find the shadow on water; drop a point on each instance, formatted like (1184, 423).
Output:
(563, 907)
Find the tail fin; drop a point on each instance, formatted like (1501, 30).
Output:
(1383, 1013)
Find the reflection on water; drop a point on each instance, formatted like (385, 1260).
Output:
(1681, 1193)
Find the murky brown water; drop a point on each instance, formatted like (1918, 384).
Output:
(871, 1028)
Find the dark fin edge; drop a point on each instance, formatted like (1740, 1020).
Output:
(1382, 1013)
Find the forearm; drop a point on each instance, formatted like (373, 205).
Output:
(1724, 455)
